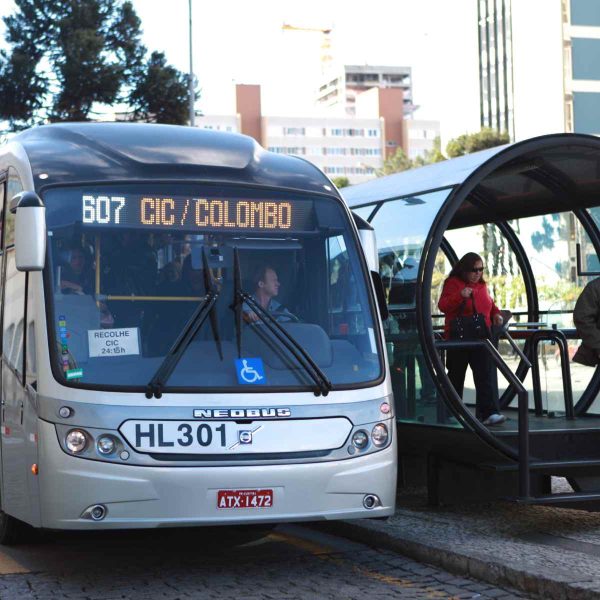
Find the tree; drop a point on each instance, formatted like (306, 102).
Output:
(399, 162)
(396, 163)
(341, 182)
(431, 156)
(473, 142)
(161, 94)
(68, 56)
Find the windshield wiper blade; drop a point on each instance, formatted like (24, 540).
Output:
(190, 329)
(291, 344)
(209, 287)
(284, 337)
(237, 304)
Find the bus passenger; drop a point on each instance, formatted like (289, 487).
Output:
(266, 288)
(465, 292)
(165, 319)
(77, 277)
(129, 269)
(586, 317)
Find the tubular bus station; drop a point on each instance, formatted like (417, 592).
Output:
(531, 210)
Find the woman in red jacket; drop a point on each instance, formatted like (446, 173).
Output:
(464, 283)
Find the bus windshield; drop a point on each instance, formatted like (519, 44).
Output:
(130, 265)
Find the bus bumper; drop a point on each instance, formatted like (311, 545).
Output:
(147, 497)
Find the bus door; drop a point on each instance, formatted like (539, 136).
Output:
(15, 443)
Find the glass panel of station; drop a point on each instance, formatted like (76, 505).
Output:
(402, 227)
(506, 286)
(549, 243)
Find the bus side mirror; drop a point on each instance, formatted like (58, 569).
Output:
(30, 231)
(380, 293)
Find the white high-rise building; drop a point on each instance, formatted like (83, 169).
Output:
(539, 66)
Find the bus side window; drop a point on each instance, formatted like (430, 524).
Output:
(13, 187)
(338, 273)
(14, 309)
(14, 287)
(16, 351)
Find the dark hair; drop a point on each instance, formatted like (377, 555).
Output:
(260, 273)
(77, 246)
(465, 265)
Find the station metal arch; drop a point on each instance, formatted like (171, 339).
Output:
(490, 187)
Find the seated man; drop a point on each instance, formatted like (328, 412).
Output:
(77, 277)
(266, 288)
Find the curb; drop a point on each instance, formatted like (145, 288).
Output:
(494, 573)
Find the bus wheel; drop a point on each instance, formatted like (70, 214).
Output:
(12, 531)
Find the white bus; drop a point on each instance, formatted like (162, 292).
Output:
(190, 336)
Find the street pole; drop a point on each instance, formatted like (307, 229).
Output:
(192, 111)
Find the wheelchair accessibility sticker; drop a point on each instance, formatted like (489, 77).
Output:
(250, 371)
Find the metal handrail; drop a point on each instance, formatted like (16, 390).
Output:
(523, 399)
(503, 333)
(558, 337)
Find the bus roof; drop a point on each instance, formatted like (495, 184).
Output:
(93, 152)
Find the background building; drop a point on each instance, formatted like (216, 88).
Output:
(582, 70)
(495, 65)
(342, 146)
(342, 86)
(539, 66)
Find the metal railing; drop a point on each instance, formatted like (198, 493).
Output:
(558, 337)
(523, 400)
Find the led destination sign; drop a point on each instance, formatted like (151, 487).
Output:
(178, 212)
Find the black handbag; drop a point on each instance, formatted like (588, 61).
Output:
(469, 327)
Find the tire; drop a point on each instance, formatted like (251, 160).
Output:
(13, 531)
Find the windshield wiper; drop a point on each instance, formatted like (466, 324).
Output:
(210, 288)
(205, 309)
(284, 337)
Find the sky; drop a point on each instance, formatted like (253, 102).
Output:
(236, 41)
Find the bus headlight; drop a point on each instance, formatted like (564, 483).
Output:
(379, 435)
(106, 444)
(76, 441)
(360, 439)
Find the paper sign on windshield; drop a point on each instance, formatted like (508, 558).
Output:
(114, 342)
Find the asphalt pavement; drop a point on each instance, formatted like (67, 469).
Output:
(292, 562)
(542, 551)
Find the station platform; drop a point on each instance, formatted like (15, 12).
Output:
(544, 551)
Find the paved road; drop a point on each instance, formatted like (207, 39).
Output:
(292, 562)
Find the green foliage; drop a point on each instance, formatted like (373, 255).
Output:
(66, 56)
(473, 142)
(341, 182)
(399, 162)
(161, 94)
(561, 294)
(396, 163)
(431, 156)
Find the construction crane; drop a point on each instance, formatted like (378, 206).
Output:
(326, 57)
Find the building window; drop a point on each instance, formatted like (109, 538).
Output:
(586, 13)
(586, 59)
(294, 131)
(586, 113)
(296, 150)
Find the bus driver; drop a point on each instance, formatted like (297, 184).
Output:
(266, 288)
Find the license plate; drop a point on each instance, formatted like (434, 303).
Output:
(245, 499)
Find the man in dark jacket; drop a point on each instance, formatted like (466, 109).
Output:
(586, 317)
